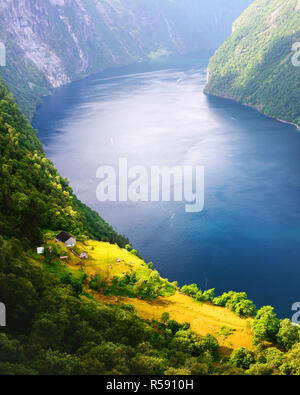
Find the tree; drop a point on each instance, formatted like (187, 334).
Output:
(190, 290)
(272, 357)
(265, 326)
(146, 365)
(236, 302)
(288, 334)
(209, 294)
(242, 358)
(200, 296)
(245, 308)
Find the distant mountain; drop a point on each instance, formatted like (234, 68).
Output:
(257, 65)
(52, 42)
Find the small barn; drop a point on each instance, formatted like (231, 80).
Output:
(84, 255)
(68, 240)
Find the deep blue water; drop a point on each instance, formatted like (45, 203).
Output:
(247, 237)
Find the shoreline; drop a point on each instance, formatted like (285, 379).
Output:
(253, 108)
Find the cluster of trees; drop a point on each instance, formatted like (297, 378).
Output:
(146, 285)
(277, 347)
(237, 302)
(200, 296)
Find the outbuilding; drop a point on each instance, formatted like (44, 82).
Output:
(68, 240)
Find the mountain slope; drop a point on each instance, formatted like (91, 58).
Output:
(52, 42)
(33, 196)
(254, 66)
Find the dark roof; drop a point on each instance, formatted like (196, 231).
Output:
(63, 236)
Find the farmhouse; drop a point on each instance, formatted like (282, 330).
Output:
(84, 255)
(68, 240)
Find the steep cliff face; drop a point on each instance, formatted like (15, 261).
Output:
(52, 42)
(259, 64)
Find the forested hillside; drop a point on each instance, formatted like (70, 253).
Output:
(33, 196)
(254, 66)
(52, 42)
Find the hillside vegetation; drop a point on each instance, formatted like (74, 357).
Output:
(254, 66)
(71, 317)
(33, 196)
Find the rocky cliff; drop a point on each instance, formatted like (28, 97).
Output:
(52, 42)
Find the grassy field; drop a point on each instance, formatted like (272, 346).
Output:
(110, 260)
(204, 318)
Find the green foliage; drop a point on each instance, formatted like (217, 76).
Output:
(242, 358)
(98, 283)
(273, 357)
(265, 326)
(254, 66)
(288, 334)
(237, 302)
(209, 294)
(54, 330)
(190, 290)
(144, 283)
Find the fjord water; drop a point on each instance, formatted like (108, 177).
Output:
(247, 236)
